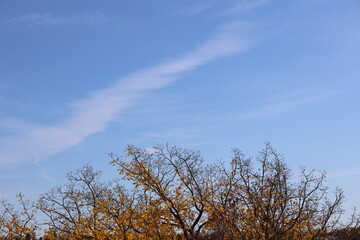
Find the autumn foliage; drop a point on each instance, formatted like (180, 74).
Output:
(171, 193)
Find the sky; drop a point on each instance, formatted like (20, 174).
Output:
(81, 79)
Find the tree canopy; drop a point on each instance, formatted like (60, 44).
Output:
(175, 194)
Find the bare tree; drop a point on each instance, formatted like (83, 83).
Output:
(261, 201)
(72, 210)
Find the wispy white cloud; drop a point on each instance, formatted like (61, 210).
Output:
(4, 101)
(278, 107)
(194, 125)
(49, 20)
(344, 173)
(4, 194)
(194, 9)
(275, 103)
(93, 114)
(16, 125)
(263, 102)
(268, 109)
(174, 135)
(288, 99)
(245, 5)
(43, 172)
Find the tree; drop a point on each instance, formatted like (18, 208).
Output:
(261, 201)
(244, 200)
(175, 195)
(18, 224)
(86, 208)
(119, 210)
(174, 179)
(73, 210)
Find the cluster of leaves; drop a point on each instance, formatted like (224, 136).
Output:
(15, 224)
(177, 196)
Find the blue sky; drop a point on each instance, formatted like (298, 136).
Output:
(80, 79)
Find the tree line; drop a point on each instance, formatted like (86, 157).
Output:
(176, 195)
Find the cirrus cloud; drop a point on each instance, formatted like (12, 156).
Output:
(94, 113)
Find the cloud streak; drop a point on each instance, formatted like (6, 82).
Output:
(344, 173)
(48, 20)
(93, 114)
(195, 9)
(245, 5)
